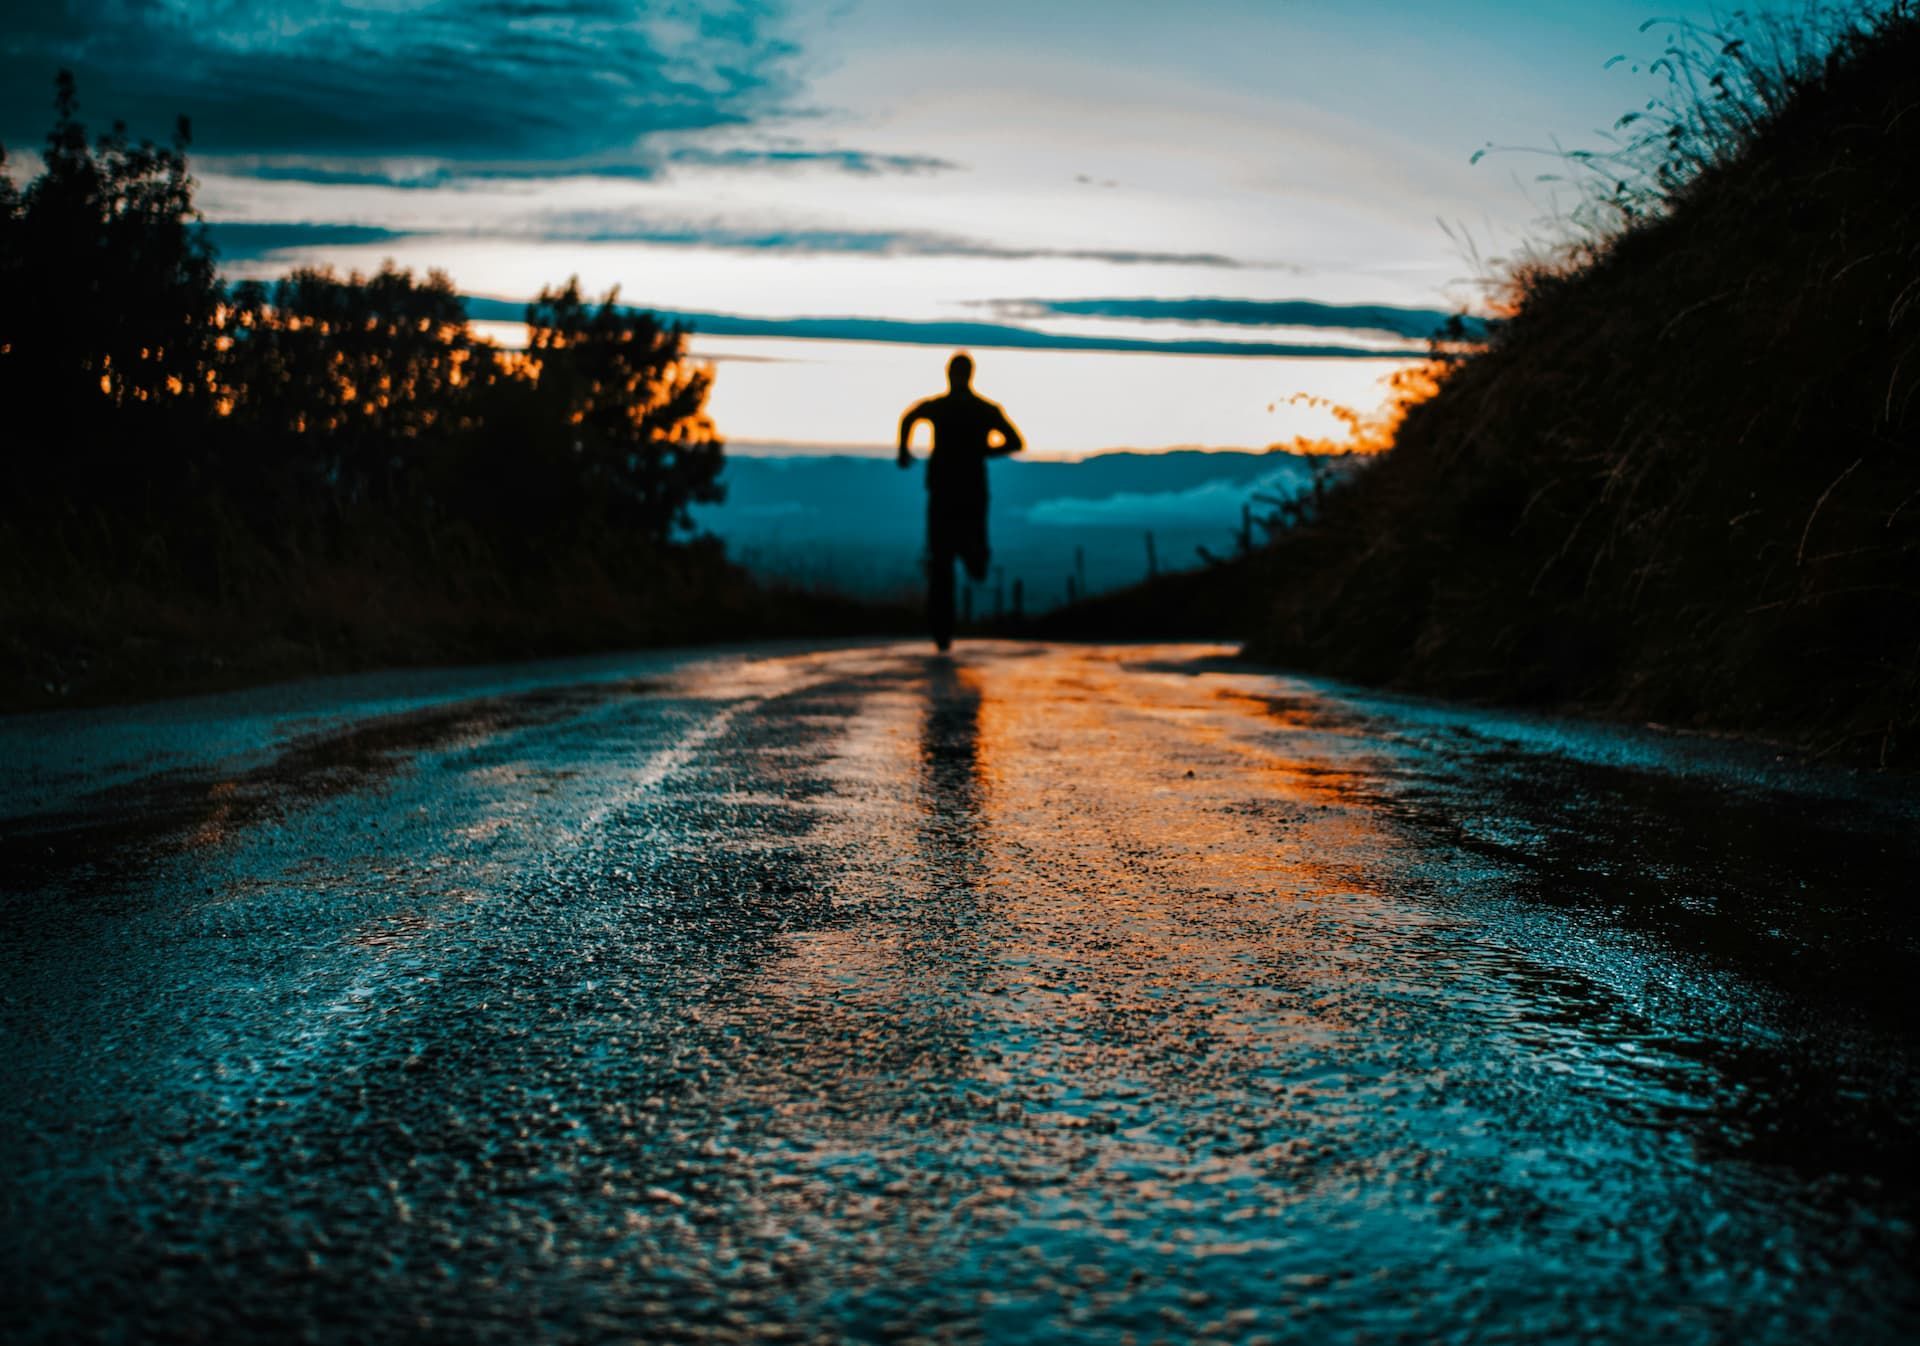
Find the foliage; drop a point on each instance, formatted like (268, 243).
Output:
(107, 288)
(384, 359)
(359, 389)
(637, 411)
(254, 454)
(1729, 84)
(1682, 480)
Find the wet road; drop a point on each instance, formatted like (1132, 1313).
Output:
(1108, 994)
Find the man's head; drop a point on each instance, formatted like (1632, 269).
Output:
(960, 372)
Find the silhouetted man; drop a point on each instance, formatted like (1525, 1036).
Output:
(964, 424)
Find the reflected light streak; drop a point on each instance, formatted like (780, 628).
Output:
(1189, 885)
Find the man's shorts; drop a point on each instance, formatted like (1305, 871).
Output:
(961, 533)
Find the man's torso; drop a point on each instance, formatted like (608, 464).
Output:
(957, 468)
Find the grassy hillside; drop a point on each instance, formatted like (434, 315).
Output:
(1683, 480)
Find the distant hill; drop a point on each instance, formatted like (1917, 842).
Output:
(1682, 481)
(856, 523)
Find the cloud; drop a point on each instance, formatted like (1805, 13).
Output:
(951, 334)
(459, 80)
(623, 226)
(619, 226)
(1207, 505)
(642, 163)
(334, 172)
(242, 242)
(862, 163)
(1412, 323)
(425, 174)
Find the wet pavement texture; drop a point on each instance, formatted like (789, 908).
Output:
(1098, 993)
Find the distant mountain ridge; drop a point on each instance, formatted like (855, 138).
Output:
(856, 523)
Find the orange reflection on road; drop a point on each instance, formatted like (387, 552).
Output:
(1076, 852)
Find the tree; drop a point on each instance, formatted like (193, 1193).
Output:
(108, 292)
(640, 433)
(145, 388)
(359, 376)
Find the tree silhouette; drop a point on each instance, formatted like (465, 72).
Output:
(362, 377)
(638, 409)
(319, 394)
(107, 292)
(324, 470)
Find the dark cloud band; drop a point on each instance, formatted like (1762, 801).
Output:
(623, 227)
(639, 164)
(981, 335)
(461, 80)
(863, 163)
(603, 227)
(1385, 319)
(248, 242)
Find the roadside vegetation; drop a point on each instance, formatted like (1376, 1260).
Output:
(1680, 481)
(202, 482)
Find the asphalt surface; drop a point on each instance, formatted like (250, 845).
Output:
(1109, 994)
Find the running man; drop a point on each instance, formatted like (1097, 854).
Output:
(964, 424)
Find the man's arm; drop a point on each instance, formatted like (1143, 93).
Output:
(1010, 441)
(915, 413)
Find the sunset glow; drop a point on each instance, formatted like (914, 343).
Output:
(1113, 173)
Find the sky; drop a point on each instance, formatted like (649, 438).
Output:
(1200, 221)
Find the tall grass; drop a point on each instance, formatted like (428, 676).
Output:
(1679, 480)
